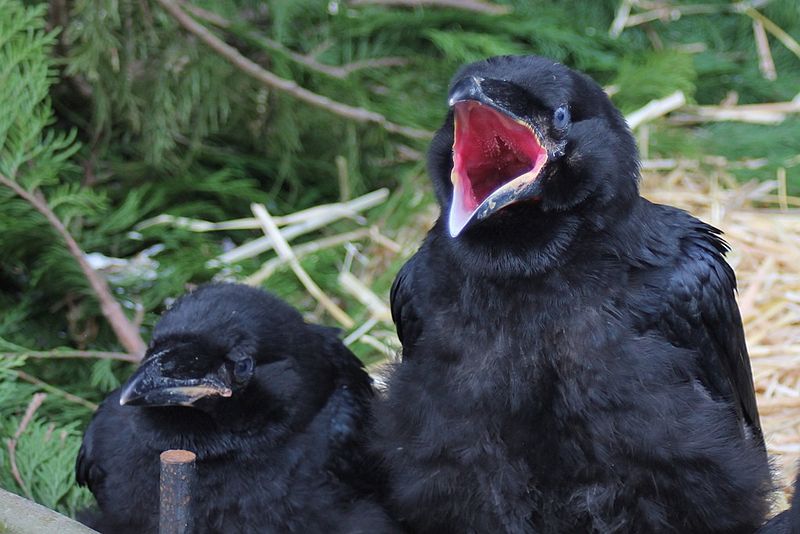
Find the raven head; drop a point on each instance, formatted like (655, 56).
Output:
(529, 150)
(239, 355)
(182, 370)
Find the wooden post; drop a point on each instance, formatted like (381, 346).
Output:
(177, 472)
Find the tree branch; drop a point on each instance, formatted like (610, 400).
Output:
(468, 5)
(127, 334)
(270, 79)
(69, 354)
(11, 443)
(335, 71)
(22, 375)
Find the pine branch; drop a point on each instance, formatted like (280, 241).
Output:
(308, 61)
(468, 5)
(127, 334)
(282, 84)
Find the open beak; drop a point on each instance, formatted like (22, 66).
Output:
(497, 156)
(150, 387)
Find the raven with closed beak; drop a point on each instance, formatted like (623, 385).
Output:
(573, 355)
(273, 407)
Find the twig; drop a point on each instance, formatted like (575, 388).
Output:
(675, 12)
(621, 19)
(251, 223)
(300, 251)
(11, 443)
(54, 390)
(344, 178)
(765, 62)
(656, 108)
(377, 308)
(360, 331)
(335, 71)
(197, 225)
(387, 243)
(770, 113)
(69, 354)
(369, 63)
(285, 251)
(783, 194)
(313, 219)
(787, 40)
(127, 334)
(282, 84)
(468, 5)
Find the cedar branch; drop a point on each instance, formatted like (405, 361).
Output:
(11, 443)
(467, 5)
(69, 354)
(308, 61)
(274, 81)
(127, 334)
(22, 375)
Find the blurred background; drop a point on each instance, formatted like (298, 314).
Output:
(147, 146)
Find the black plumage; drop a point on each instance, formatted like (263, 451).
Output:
(573, 355)
(273, 407)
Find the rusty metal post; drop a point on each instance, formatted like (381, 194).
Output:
(177, 472)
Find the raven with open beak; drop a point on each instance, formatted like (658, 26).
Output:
(573, 355)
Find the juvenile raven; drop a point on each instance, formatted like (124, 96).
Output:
(573, 356)
(273, 407)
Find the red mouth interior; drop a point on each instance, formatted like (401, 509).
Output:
(490, 150)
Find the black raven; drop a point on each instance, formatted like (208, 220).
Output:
(273, 407)
(573, 355)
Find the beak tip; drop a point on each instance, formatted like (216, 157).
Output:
(454, 231)
(456, 226)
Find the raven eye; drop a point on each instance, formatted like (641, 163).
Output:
(243, 368)
(561, 117)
